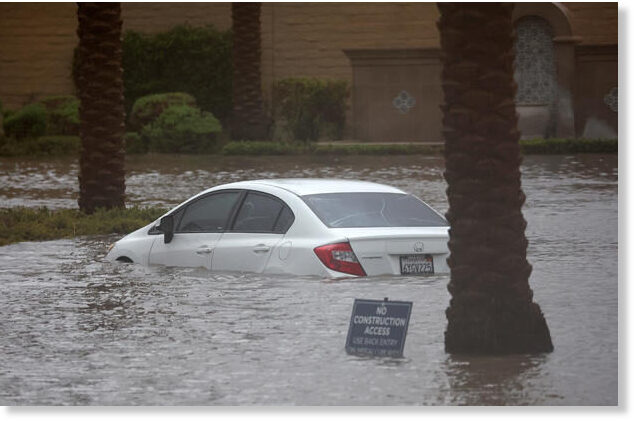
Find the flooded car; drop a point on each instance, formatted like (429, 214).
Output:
(324, 227)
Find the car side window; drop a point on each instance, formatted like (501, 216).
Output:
(259, 213)
(209, 214)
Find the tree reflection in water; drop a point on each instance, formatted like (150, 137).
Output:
(493, 380)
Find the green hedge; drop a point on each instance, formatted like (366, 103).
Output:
(195, 60)
(382, 149)
(22, 224)
(182, 129)
(44, 145)
(309, 109)
(148, 108)
(534, 146)
(135, 144)
(27, 122)
(54, 115)
(568, 146)
(62, 114)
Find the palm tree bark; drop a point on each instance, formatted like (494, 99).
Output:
(248, 120)
(102, 115)
(491, 309)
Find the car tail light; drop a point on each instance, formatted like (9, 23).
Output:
(340, 257)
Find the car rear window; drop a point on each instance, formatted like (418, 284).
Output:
(258, 214)
(366, 209)
(263, 213)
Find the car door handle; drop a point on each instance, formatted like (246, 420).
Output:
(204, 250)
(261, 248)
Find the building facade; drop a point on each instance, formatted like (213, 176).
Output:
(566, 66)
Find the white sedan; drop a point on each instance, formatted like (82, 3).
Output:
(324, 227)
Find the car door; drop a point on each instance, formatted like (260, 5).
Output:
(260, 224)
(198, 228)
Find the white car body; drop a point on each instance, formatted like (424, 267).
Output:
(378, 250)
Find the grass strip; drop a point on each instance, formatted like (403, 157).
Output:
(21, 224)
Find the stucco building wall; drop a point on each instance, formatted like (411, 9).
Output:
(298, 39)
(37, 41)
(595, 23)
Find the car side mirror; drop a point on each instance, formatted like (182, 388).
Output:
(166, 226)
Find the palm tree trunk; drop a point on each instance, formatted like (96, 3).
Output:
(248, 120)
(100, 86)
(491, 310)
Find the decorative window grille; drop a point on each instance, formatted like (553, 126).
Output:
(611, 99)
(535, 72)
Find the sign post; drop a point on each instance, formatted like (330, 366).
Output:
(378, 328)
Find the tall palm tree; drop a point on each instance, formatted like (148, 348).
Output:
(100, 86)
(248, 120)
(491, 309)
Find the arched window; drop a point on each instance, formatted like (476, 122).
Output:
(535, 72)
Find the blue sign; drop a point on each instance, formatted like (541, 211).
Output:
(378, 327)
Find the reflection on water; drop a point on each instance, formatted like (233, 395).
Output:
(78, 330)
(498, 381)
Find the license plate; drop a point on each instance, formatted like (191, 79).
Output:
(417, 264)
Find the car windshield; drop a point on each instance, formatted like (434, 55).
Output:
(366, 209)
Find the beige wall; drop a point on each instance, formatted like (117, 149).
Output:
(309, 37)
(36, 50)
(595, 23)
(299, 39)
(157, 17)
(37, 41)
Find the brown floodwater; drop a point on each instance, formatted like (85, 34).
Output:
(78, 330)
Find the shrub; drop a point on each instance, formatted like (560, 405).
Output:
(309, 109)
(182, 128)
(7, 113)
(380, 149)
(62, 114)
(44, 145)
(28, 122)
(54, 115)
(147, 109)
(196, 60)
(135, 144)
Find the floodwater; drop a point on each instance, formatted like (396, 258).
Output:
(77, 330)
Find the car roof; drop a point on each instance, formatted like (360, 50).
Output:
(307, 186)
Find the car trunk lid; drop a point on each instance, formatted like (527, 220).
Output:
(381, 250)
